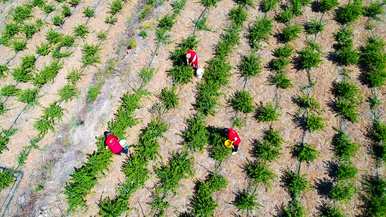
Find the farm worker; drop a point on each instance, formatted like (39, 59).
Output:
(234, 137)
(114, 144)
(192, 60)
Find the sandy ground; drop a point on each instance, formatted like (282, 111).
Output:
(61, 151)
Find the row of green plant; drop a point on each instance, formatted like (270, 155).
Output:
(85, 177)
(202, 203)
(76, 188)
(135, 169)
(348, 98)
(308, 117)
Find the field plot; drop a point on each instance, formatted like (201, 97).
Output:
(301, 81)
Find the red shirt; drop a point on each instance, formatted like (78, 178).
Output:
(192, 57)
(233, 136)
(113, 143)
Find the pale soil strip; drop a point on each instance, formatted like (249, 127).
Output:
(51, 200)
(48, 95)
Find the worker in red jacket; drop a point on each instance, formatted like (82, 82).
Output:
(234, 137)
(114, 144)
(192, 58)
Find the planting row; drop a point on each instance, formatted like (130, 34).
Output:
(76, 188)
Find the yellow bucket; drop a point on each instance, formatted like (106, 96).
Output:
(228, 143)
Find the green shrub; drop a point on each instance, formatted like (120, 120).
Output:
(259, 173)
(58, 20)
(260, 30)
(74, 3)
(314, 122)
(373, 61)
(346, 171)
(294, 209)
(307, 102)
(210, 3)
(344, 37)
(268, 5)
(102, 35)
(195, 135)
(281, 80)
(181, 74)
(116, 6)
(68, 92)
(202, 203)
(374, 197)
(66, 11)
(29, 30)
(228, 40)
(166, 22)
(347, 109)
(279, 64)
(269, 147)
(267, 112)
(347, 90)
(344, 148)
(3, 70)
(246, 201)
(284, 51)
(47, 74)
(169, 98)
(305, 152)
(43, 49)
(342, 191)
(347, 56)
(309, 57)
(378, 131)
(19, 45)
(93, 92)
(326, 5)
(314, 26)
(81, 31)
(9, 90)
(331, 211)
(179, 167)
(250, 65)
(146, 74)
(23, 73)
(90, 54)
(48, 8)
(5, 135)
(111, 19)
(6, 179)
(373, 9)
(285, 16)
(290, 32)
(28, 96)
(238, 15)
(89, 12)
(242, 101)
(53, 37)
(21, 13)
(295, 183)
(349, 13)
